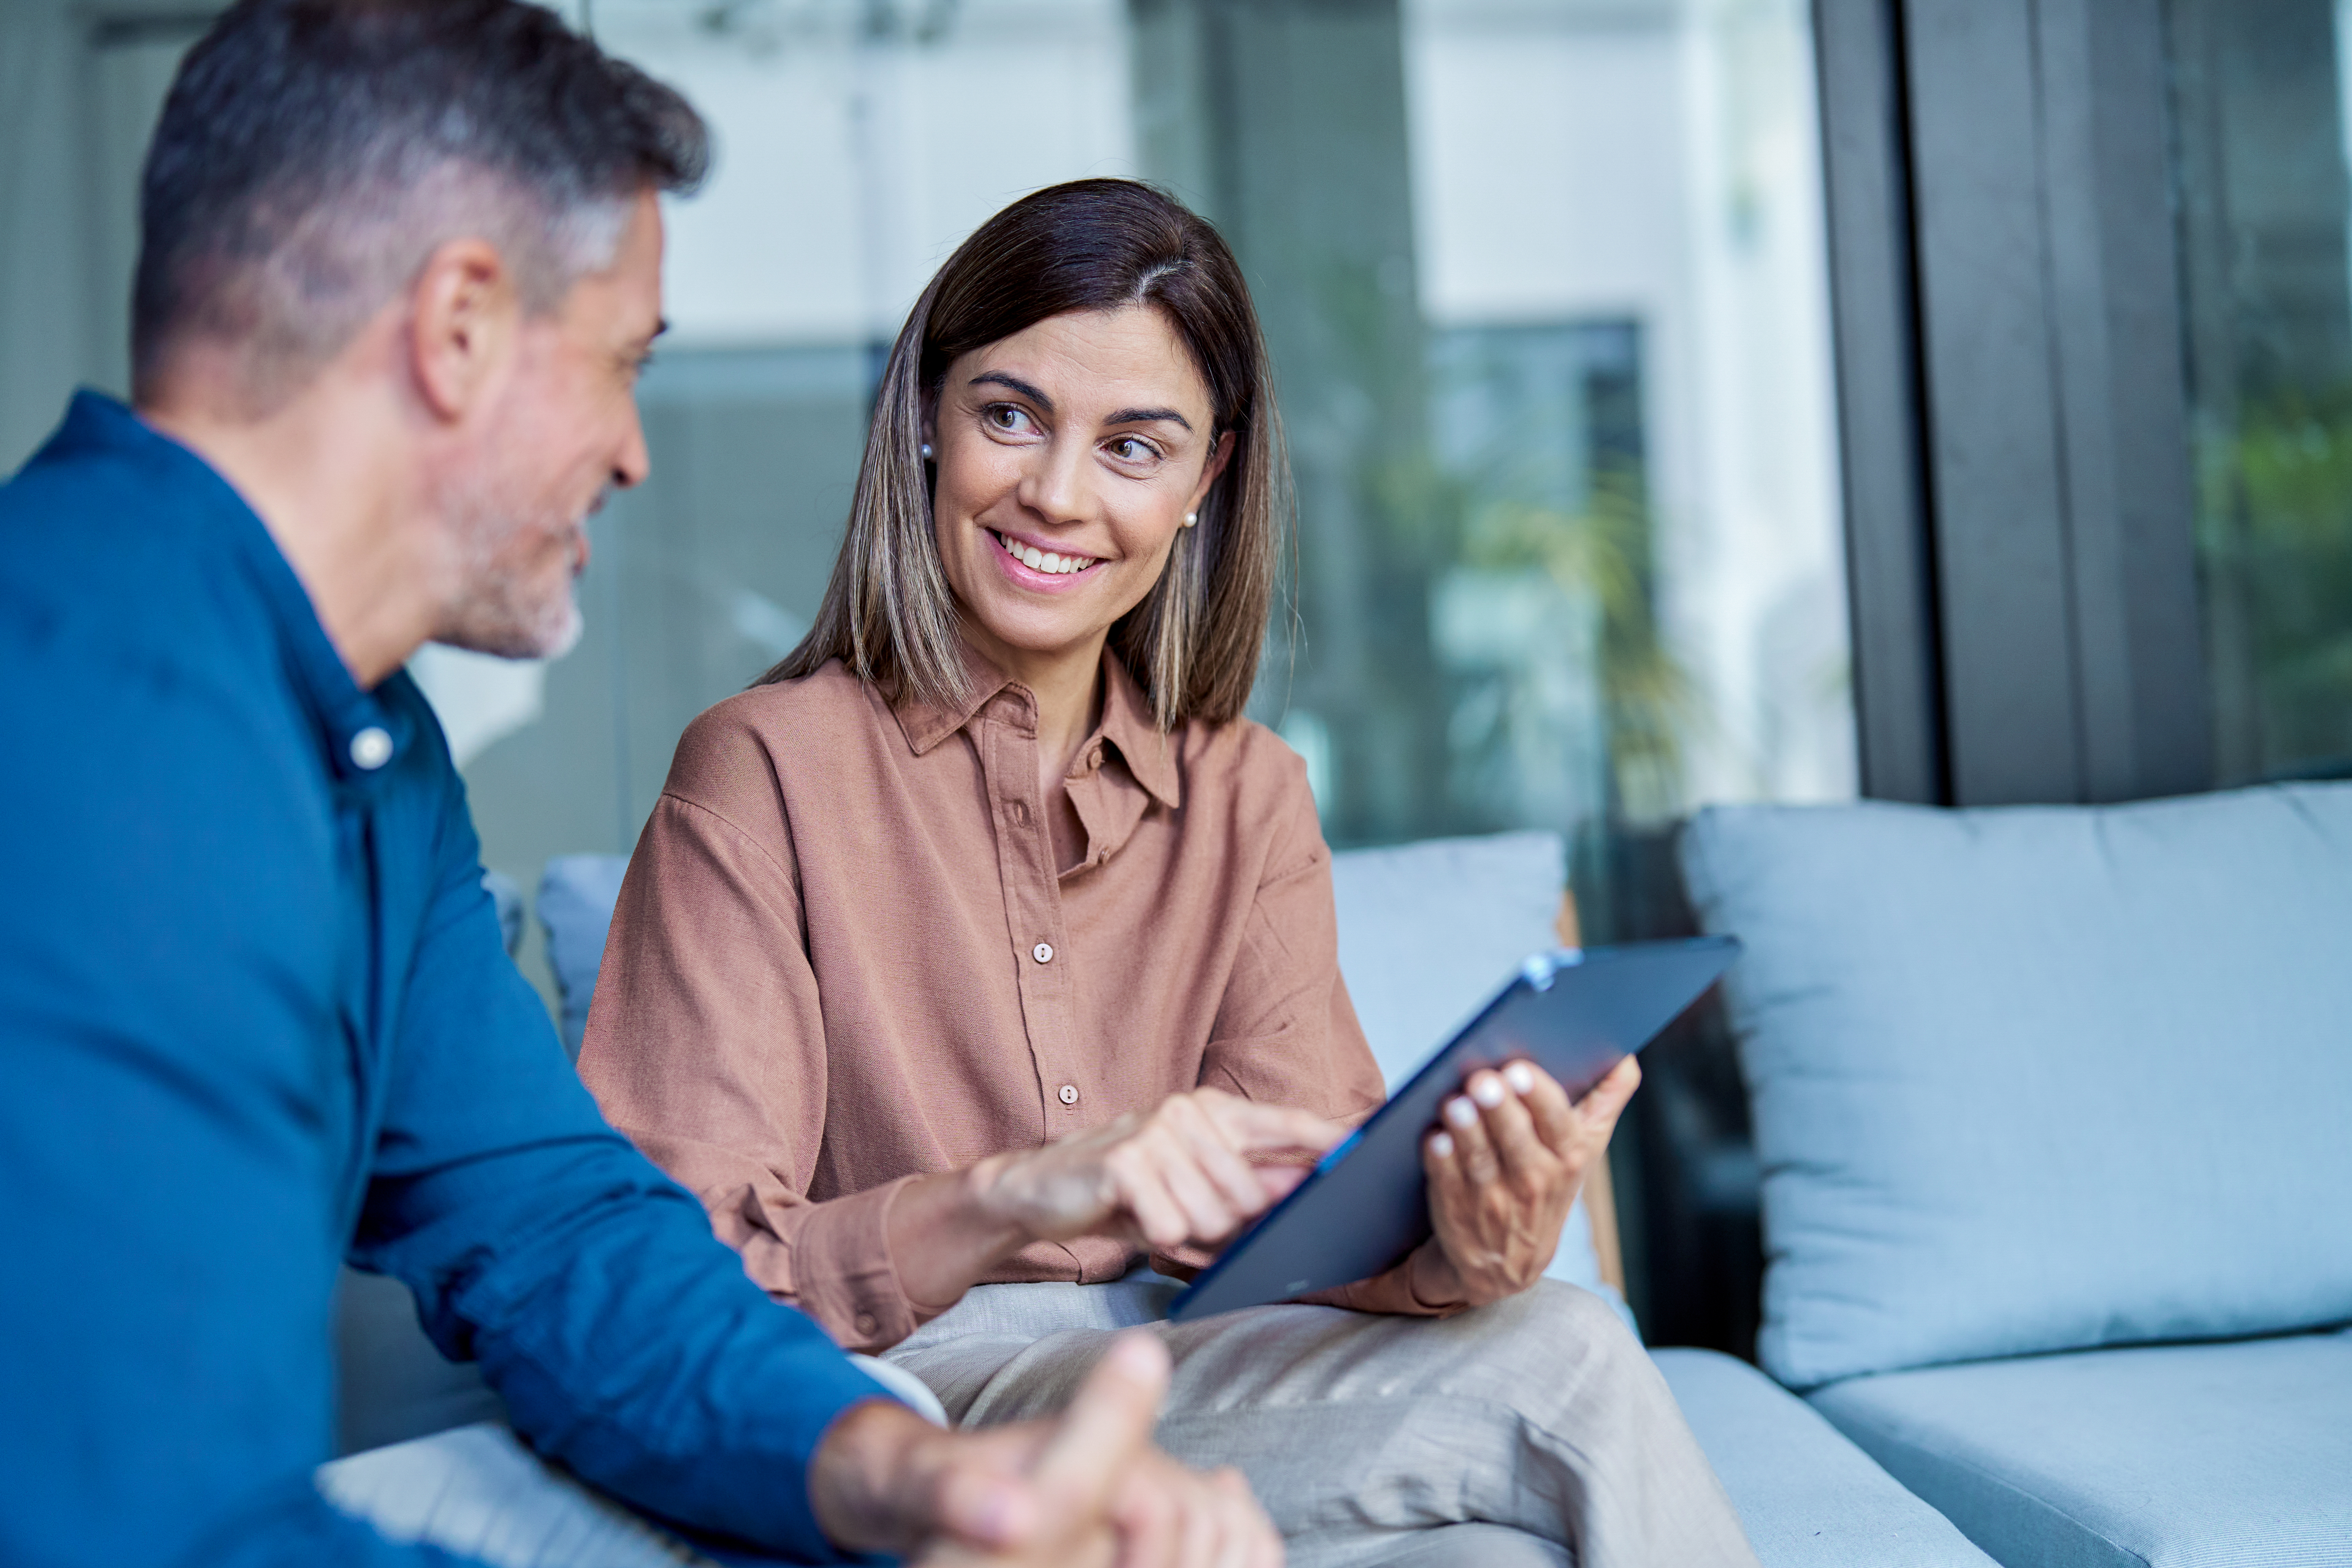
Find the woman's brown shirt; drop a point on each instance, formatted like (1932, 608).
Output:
(843, 956)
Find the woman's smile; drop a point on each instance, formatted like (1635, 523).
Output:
(1035, 566)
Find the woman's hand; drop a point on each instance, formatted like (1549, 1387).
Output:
(1184, 1173)
(1504, 1170)
(1196, 1169)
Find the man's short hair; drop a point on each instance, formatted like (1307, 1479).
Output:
(313, 153)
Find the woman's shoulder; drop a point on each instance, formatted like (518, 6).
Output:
(1242, 767)
(758, 737)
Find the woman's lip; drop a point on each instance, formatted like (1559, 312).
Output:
(1047, 546)
(1027, 576)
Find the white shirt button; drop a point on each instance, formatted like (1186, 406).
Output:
(1042, 952)
(1069, 1093)
(370, 748)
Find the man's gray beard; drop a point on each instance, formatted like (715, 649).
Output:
(490, 620)
(495, 612)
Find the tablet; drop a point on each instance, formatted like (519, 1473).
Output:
(1574, 1014)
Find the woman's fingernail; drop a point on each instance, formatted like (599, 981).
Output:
(1461, 1112)
(1442, 1145)
(1520, 1077)
(1487, 1090)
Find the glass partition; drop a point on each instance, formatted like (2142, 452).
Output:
(2265, 204)
(1544, 283)
(1545, 287)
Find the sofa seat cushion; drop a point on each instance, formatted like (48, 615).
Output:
(2041, 1078)
(1809, 1498)
(2223, 1454)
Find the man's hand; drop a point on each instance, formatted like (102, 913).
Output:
(1088, 1489)
(1504, 1170)
(1169, 1517)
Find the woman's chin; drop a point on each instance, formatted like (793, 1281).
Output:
(1018, 631)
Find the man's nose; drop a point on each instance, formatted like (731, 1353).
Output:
(633, 462)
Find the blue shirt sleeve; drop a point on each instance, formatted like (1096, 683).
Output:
(167, 1211)
(625, 1338)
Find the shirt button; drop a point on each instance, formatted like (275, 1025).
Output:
(370, 748)
(1069, 1093)
(1018, 810)
(1042, 952)
(865, 1324)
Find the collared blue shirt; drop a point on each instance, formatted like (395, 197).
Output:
(256, 1017)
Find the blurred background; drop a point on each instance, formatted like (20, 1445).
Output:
(1691, 401)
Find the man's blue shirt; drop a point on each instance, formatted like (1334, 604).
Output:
(256, 1019)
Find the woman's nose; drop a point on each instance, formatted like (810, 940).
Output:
(1058, 487)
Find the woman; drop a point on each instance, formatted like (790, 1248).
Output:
(985, 944)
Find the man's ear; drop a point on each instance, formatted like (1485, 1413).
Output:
(463, 316)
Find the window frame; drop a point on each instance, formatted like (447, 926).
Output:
(2007, 312)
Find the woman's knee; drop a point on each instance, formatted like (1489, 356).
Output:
(1555, 1306)
(1555, 1335)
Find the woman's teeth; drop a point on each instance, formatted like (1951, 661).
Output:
(1043, 561)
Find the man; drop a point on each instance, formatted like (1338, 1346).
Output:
(401, 265)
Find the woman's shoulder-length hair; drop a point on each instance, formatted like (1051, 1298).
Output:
(1092, 244)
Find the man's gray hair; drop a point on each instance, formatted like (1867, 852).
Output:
(313, 153)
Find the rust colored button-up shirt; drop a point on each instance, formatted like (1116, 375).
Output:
(843, 956)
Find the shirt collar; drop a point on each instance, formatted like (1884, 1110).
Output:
(1127, 725)
(359, 734)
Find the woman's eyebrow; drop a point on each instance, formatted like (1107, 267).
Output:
(1147, 415)
(1038, 396)
(1015, 383)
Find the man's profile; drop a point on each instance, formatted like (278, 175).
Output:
(400, 266)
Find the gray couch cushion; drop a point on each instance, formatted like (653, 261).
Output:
(2219, 1454)
(1809, 1498)
(576, 894)
(2041, 1079)
(392, 1383)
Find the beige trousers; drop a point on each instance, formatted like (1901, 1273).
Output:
(1535, 1431)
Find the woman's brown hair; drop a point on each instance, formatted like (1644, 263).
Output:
(1091, 245)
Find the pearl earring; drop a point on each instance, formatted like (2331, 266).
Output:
(927, 451)
(1191, 518)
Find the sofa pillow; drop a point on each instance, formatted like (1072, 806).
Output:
(1428, 933)
(576, 894)
(2041, 1079)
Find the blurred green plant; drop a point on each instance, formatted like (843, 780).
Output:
(2274, 544)
(1603, 551)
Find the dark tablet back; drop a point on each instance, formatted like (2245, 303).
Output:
(1575, 1015)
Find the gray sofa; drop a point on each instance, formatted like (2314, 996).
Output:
(2054, 1111)
(2054, 1108)
(1427, 931)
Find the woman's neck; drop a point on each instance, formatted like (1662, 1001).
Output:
(1068, 683)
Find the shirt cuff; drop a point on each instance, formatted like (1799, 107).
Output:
(836, 1266)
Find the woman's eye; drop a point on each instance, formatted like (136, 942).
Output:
(1133, 449)
(1007, 417)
